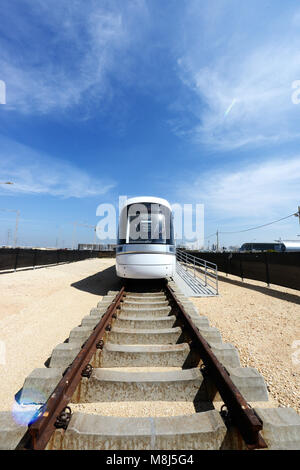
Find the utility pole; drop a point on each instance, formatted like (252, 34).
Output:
(297, 214)
(217, 240)
(73, 237)
(17, 221)
(17, 225)
(8, 237)
(76, 224)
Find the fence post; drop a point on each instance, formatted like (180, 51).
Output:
(34, 258)
(241, 268)
(16, 259)
(229, 264)
(267, 269)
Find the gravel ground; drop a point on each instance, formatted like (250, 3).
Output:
(137, 409)
(38, 310)
(40, 307)
(264, 325)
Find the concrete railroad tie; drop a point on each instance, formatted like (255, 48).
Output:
(145, 359)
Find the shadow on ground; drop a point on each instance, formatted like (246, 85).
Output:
(264, 290)
(100, 283)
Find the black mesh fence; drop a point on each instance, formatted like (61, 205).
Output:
(15, 258)
(282, 269)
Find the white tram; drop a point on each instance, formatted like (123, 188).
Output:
(146, 247)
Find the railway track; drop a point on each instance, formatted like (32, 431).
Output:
(148, 346)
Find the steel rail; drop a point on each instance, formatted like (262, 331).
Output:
(40, 431)
(241, 414)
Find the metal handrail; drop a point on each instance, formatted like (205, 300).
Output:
(205, 278)
(205, 270)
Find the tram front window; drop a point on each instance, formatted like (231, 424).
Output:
(149, 224)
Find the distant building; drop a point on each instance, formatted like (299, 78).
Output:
(278, 245)
(233, 248)
(96, 247)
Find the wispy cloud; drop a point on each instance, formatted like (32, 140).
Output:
(249, 193)
(39, 174)
(66, 51)
(241, 76)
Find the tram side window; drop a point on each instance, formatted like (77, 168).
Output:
(246, 247)
(280, 247)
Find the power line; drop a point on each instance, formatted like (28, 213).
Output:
(212, 235)
(297, 214)
(264, 225)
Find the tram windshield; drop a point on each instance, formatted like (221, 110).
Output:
(146, 223)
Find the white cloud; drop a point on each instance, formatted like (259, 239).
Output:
(69, 48)
(38, 174)
(232, 66)
(261, 191)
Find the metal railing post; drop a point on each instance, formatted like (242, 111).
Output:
(203, 270)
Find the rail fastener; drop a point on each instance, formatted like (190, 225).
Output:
(40, 431)
(241, 414)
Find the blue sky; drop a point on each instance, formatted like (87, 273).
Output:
(188, 100)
